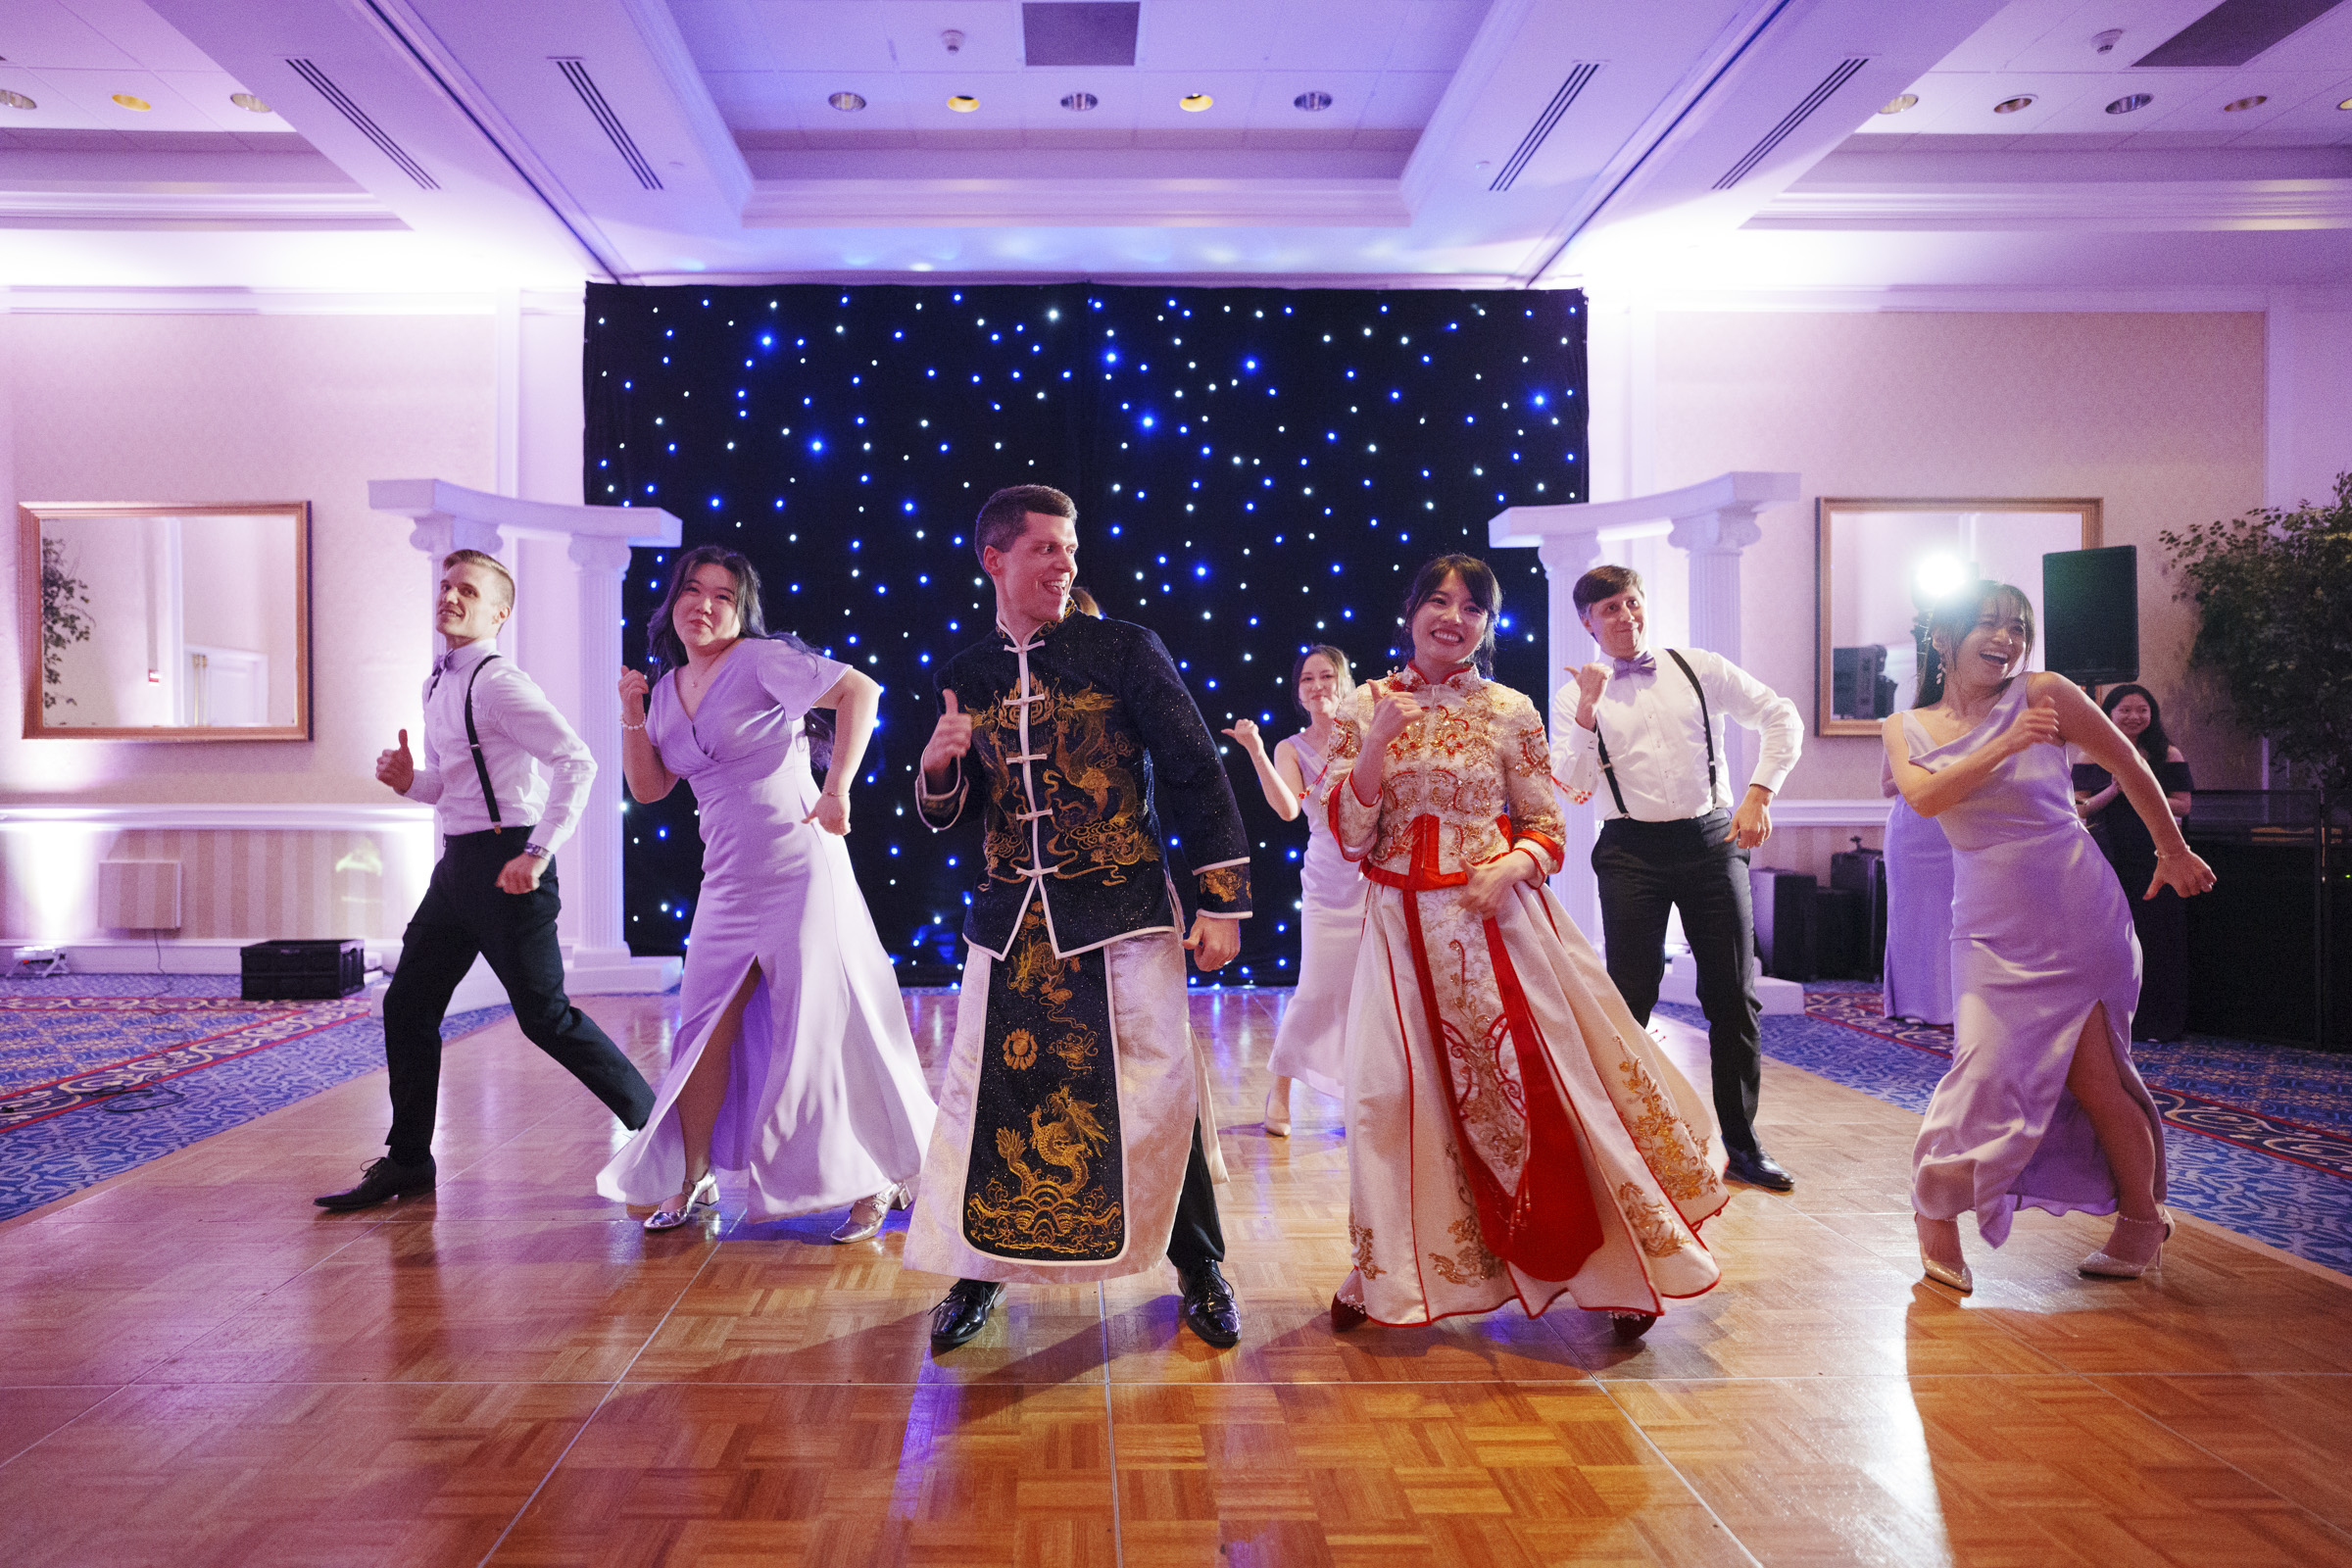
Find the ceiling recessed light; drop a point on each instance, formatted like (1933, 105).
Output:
(2135, 101)
(249, 103)
(848, 103)
(2244, 104)
(15, 100)
(1078, 103)
(2010, 106)
(1900, 102)
(1195, 103)
(132, 101)
(963, 102)
(1314, 103)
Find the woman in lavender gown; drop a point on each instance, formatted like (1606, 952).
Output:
(1918, 981)
(1311, 1042)
(793, 1062)
(2043, 1106)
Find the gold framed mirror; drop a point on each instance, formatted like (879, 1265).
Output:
(165, 621)
(1881, 558)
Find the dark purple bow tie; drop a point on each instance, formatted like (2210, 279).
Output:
(1638, 665)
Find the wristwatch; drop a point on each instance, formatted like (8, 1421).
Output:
(538, 851)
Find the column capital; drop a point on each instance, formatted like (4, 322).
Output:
(596, 553)
(1719, 531)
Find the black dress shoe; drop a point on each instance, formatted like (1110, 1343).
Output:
(1631, 1325)
(1759, 1169)
(1209, 1307)
(964, 1312)
(380, 1181)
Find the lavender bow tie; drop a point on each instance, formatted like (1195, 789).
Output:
(1641, 665)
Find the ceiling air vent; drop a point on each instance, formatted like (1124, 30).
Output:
(593, 96)
(1583, 73)
(1083, 34)
(2232, 33)
(1797, 117)
(359, 122)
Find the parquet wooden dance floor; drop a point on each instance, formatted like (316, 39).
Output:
(201, 1369)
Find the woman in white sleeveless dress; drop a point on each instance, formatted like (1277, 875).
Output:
(1331, 890)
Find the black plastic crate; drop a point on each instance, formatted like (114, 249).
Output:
(303, 970)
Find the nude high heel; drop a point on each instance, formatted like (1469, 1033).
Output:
(1278, 1109)
(868, 1215)
(2133, 1247)
(1959, 1279)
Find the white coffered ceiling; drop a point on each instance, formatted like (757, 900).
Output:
(426, 144)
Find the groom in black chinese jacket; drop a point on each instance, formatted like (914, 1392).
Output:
(1070, 1142)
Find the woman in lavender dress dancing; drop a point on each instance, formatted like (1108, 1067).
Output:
(2043, 1106)
(792, 1060)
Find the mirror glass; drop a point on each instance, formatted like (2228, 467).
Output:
(169, 622)
(1883, 561)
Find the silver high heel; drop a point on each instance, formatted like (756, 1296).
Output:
(868, 1215)
(703, 1195)
(2133, 1247)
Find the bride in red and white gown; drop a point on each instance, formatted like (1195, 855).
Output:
(1512, 1133)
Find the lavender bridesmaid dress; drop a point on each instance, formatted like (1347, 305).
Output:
(826, 1100)
(2040, 936)
(1918, 981)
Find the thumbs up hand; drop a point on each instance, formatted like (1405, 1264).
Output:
(951, 738)
(396, 766)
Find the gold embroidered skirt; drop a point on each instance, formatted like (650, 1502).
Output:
(1500, 1098)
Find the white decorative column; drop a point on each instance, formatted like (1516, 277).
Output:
(1567, 557)
(595, 880)
(445, 516)
(1714, 539)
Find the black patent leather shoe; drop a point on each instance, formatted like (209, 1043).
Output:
(1209, 1307)
(964, 1312)
(1629, 1327)
(381, 1181)
(1759, 1169)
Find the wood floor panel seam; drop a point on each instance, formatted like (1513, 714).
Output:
(84, 1414)
(581, 1431)
(1676, 1470)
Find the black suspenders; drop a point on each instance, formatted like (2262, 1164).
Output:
(481, 769)
(1707, 727)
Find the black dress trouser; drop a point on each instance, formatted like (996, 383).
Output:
(1647, 870)
(465, 912)
(1200, 1236)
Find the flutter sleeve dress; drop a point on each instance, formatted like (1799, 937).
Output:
(2041, 937)
(826, 1100)
(1512, 1133)
(1312, 1040)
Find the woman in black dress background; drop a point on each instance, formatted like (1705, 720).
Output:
(2162, 922)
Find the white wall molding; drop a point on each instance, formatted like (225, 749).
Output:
(1989, 299)
(292, 816)
(2183, 206)
(32, 299)
(1829, 814)
(1172, 203)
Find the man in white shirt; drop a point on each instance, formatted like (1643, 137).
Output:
(1648, 731)
(487, 730)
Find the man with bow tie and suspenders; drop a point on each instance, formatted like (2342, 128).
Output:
(487, 731)
(1649, 731)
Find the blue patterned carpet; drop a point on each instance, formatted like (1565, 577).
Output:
(2257, 1138)
(102, 1073)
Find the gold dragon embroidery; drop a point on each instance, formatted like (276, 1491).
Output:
(1047, 1213)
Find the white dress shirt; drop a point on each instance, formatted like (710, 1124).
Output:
(521, 730)
(1651, 721)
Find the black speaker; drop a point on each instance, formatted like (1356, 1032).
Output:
(1858, 685)
(1788, 933)
(2090, 614)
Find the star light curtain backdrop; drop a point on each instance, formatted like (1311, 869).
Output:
(1255, 470)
